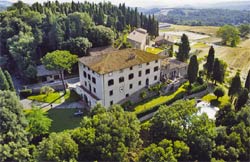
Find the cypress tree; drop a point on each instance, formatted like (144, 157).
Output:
(219, 70)
(3, 81)
(184, 48)
(247, 83)
(193, 69)
(242, 100)
(9, 80)
(210, 62)
(235, 87)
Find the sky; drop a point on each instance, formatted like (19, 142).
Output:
(148, 3)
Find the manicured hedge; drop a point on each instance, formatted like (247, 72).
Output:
(154, 104)
(198, 89)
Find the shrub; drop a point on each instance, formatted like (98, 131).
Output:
(46, 90)
(143, 94)
(127, 104)
(219, 92)
(26, 93)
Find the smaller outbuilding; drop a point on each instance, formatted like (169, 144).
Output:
(44, 75)
(164, 40)
(173, 69)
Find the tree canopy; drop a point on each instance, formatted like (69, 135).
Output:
(13, 135)
(229, 35)
(112, 133)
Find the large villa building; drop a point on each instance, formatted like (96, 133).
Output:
(110, 77)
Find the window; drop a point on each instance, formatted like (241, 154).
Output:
(121, 79)
(121, 71)
(156, 61)
(111, 82)
(156, 68)
(139, 83)
(147, 71)
(111, 102)
(139, 73)
(88, 76)
(93, 72)
(84, 74)
(140, 66)
(94, 90)
(155, 78)
(130, 86)
(111, 93)
(130, 76)
(85, 84)
(131, 68)
(83, 66)
(147, 63)
(93, 80)
(127, 95)
(88, 68)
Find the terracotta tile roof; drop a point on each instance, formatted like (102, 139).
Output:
(117, 60)
(138, 35)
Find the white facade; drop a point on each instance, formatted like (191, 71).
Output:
(110, 88)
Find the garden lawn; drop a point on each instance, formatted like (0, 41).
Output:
(222, 101)
(153, 50)
(158, 101)
(52, 97)
(63, 119)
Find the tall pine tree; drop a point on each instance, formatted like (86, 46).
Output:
(3, 81)
(184, 48)
(193, 69)
(210, 62)
(247, 83)
(9, 80)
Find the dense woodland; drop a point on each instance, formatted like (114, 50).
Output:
(210, 17)
(29, 32)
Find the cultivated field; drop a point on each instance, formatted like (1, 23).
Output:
(237, 58)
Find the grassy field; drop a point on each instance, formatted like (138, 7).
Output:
(237, 58)
(63, 119)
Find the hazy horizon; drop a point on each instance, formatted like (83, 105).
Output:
(147, 3)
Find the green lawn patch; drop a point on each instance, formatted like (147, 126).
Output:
(64, 119)
(52, 97)
(199, 45)
(153, 50)
(149, 106)
(222, 101)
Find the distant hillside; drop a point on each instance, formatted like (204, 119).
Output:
(4, 4)
(210, 17)
(245, 5)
